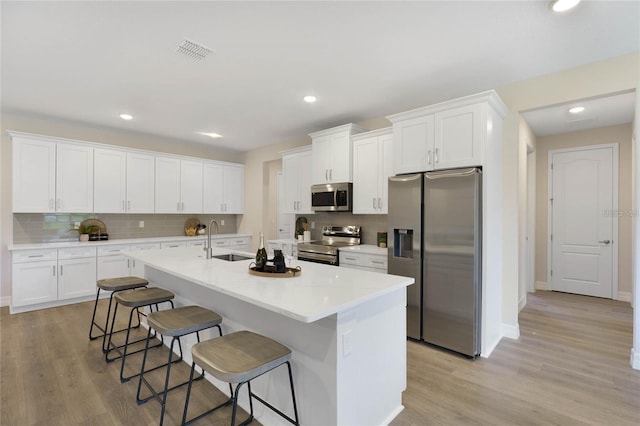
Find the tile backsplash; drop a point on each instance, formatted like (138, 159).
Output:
(371, 224)
(31, 228)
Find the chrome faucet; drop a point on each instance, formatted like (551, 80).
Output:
(208, 248)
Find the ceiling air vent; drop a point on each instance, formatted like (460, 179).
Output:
(193, 50)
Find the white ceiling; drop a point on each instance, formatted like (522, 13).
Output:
(90, 61)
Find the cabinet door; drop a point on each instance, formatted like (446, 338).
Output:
(140, 183)
(385, 167)
(290, 176)
(304, 183)
(413, 145)
(341, 158)
(34, 176)
(213, 183)
(365, 176)
(190, 186)
(76, 277)
(110, 181)
(74, 178)
(321, 148)
(233, 202)
(167, 185)
(113, 266)
(137, 267)
(34, 282)
(458, 134)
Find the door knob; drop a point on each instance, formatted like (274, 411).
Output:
(604, 242)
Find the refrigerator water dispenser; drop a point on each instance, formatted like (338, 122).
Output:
(403, 243)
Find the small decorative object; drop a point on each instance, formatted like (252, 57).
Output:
(191, 226)
(382, 239)
(200, 228)
(301, 226)
(307, 235)
(261, 255)
(270, 272)
(95, 228)
(278, 261)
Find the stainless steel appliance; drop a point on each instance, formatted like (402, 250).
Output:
(326, 250)
(435, 236)
(332, 197)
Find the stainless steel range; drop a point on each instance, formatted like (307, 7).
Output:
(326, 250)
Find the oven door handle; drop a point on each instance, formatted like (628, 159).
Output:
(329, 259)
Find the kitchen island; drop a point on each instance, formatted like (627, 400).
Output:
(346, 329)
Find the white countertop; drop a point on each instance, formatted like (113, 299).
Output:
(71, 244)
(320, 291)
(365, 248)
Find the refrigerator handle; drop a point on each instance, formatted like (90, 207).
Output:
(449, 173)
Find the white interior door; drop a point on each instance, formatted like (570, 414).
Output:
(285, 220)
(584, 196)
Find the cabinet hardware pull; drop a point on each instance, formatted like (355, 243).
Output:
(435, 157)
(326, 174)
(61, 270)
(377, 262)
(123, 206)
(128, 205)
(54, 271)
(374, 203)
(380, 203)
(331, 174)
(35, 255)
(604, 242)
(429, 157)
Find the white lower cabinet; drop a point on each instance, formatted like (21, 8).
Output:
(137, 268)
(112, 261)
(40, 276)
(36, 280)
(363, 261)
(76, 272)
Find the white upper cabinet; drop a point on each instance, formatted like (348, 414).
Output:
(51, 177)
(34, 175)
(74, 178)
(446, 135)
(372, 166)
(109, 181)
(332, 154)
(296, 172)
(190, 186)
(140, 183)
(178, 185)
(458, 137)
(223, 188)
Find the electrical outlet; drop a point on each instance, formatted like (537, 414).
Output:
(141, 224)
(222, 222)
(313, 225)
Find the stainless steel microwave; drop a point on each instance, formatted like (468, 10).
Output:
(332, 197)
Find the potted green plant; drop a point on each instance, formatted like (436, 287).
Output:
(83, 232)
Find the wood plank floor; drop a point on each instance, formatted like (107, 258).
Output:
(570, 366)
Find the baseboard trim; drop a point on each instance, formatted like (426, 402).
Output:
(541, 285)
(624, 296)
(5, 301)
(512, 331)
(635, 359)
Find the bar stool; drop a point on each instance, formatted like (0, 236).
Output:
(176, 323)
(113, 285)
(136, 299)
(239, 358)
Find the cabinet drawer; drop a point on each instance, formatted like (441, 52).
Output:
(145, 246)
(78, 252)
(350, 259)
(378, 262)
(34, 255)
(238, 241)
(114, 250)
(173, 244)
(197, 243)
(219, 243)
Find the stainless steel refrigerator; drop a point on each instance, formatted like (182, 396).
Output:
(435, 236)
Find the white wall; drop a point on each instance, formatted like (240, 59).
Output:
(635, 351)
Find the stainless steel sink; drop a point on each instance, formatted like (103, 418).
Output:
(230, 257)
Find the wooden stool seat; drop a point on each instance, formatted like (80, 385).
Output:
(239, 358)
(121, 283)
(143, 297)
(183, 320)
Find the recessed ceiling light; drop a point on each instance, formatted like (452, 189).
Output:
(211, 134)
(310, 99)
(126, 116)
(576, 110)
(563, 5)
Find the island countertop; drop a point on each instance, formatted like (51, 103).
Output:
(319, 291)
